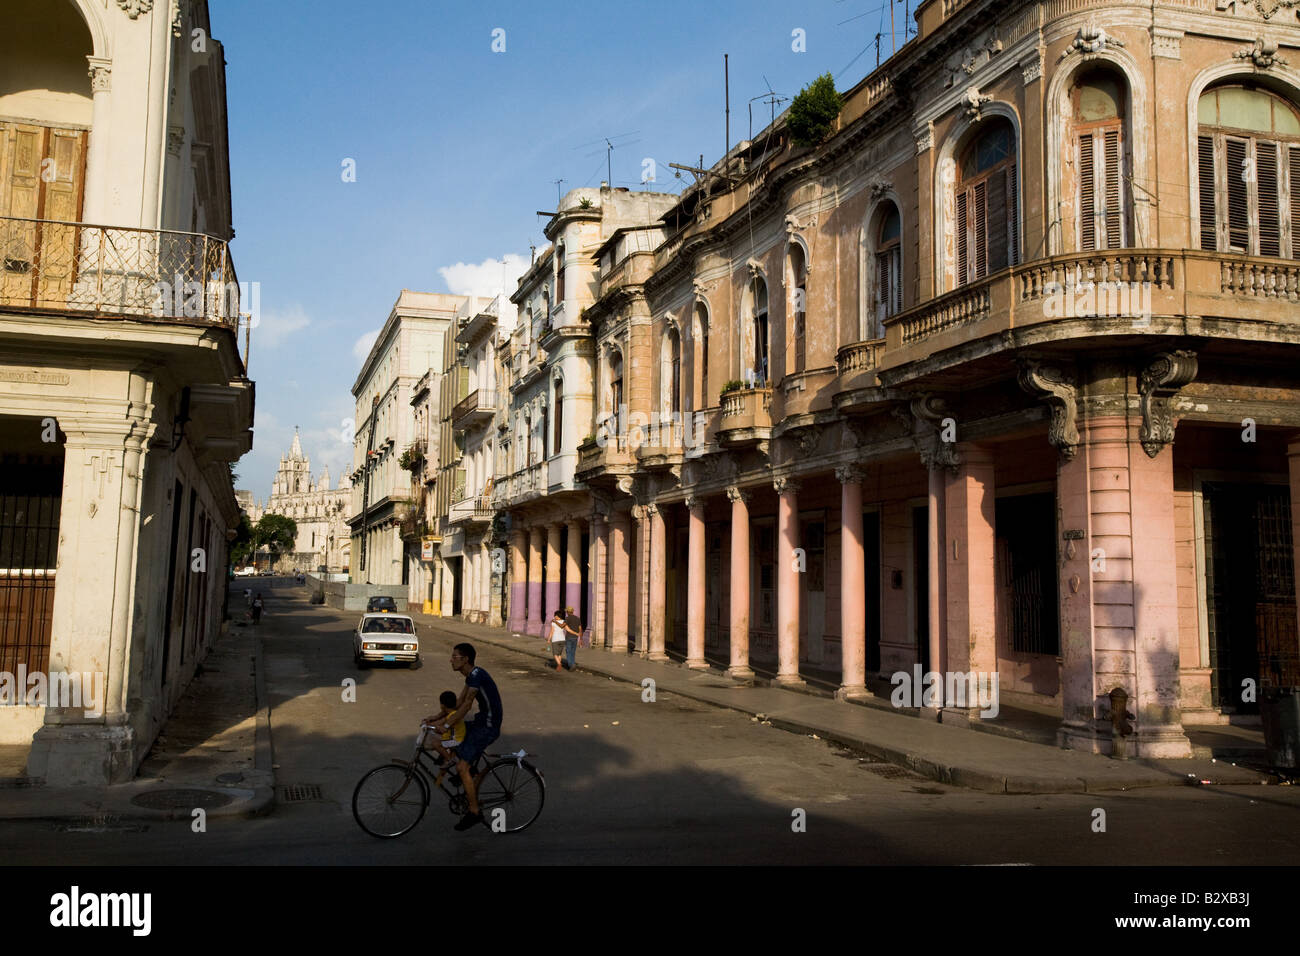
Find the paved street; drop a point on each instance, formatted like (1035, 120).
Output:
(671, 781)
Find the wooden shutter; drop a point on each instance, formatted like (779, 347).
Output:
(1238, 195)
(883, 289)
(1013, 218)
(61, 203)
(1087, 192)
(896, 280)
(1205, 168)
(979, 215)
(998, 226)
(1270, 218)
(1294, 196)
(963, 229)
(1114, 211)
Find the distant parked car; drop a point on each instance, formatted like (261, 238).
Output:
(385, 637)
(246, 572)
(381, 605)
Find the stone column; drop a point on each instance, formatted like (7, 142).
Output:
(853, 608)
(935, 563)
(640, 573)
(1293, 465)
(787, 581)
(95, 200)
(596, 589)
(552, 602)
(92, 630)
(739, 584)
(518, 581)
(535, 619)
(619, 527)
(695, 583)
(573, 567)
(970, 584)
(658, 608)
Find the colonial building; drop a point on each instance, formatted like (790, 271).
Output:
(1000, 376)
(409, 344)
(123, 397)
(551, 364)
(320, 513)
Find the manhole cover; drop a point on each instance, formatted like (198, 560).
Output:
(181, 799)
(300, 792)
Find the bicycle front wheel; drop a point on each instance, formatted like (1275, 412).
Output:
(514, 788)
(390, 800)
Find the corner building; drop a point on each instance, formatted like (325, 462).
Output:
(1001, 376)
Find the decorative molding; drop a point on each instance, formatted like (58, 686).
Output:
(1262, 8)
(1032, 69)
(1263, 54)
(624, 484)
(133, 8)
(755, 268)
(792, 225)
(175, 139)
(879, 189)
(850, 474)
(976, 55)
(808, 439)
(1091, 39)
(178, 18)
(972, 103)
(694, 502)
(786, 484)
(1057, 388)
(1159, 382)
(924, 136)
(1167, 43)
(927, 413)
(737, 494)
(100, 73)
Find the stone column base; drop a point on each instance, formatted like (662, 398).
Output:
(852, 692)
(658, 657)
(1167, 741)
(83, 755)
(740, 673)
(791, 680)
(698, 665)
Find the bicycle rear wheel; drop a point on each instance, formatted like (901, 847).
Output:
(515, 788)
(390, 800)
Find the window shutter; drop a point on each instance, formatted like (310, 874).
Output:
(998, 225)
(1294, 195)
(1013, 219)
(883, 288)
(896, 282)
(1114, 211)
(1205, 167)
(980, 218)
(1087, 210)
(1238, 196)
(1270, 219)
(963, 229)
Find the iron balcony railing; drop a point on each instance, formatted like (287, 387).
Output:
(110, 270)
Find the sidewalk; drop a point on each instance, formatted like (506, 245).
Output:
(214, 752)
(949, 754)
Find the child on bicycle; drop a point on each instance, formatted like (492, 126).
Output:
(452, 736)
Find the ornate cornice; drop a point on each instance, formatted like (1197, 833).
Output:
(1091, 39)
(1263, 53)
(1159, 382)
(786, 485)
(133, 8)
(735, 493)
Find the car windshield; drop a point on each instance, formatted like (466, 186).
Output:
(388, 625)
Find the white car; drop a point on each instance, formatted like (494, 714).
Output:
(385, 637)
(246, 572)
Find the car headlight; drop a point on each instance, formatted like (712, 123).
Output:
(408, 647)
(367, 647)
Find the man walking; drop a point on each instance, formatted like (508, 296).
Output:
(572, 631)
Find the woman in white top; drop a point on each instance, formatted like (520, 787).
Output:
(558, 634)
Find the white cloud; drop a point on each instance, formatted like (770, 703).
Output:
(276, 326)
(487, 278)
(362, 346)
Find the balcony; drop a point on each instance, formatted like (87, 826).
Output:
(477, 510)
(746, 416)
(601, 457)
(477, 408)
(523, 485)
(103, 270)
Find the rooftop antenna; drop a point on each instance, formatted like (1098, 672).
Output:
(557, 192)
(892, 49)
(726, 88)
(878, 36)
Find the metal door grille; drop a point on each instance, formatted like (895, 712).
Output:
(31, 489)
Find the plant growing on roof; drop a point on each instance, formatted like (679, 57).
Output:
(813, 111)
(734, 385)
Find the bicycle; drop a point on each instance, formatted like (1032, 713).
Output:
(392, 798)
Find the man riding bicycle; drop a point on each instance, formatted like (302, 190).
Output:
(482, 730)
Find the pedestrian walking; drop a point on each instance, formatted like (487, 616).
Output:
(257, 608)
(558, 634)
(573, 630)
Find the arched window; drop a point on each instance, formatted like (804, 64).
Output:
(797, 303)
(557, 440)
(1248, 159)
(758, 318)
(702, 351)
(542, 429)
(985, 224)
(1101, 162)
(670, 373)
(888, 267)
(529, 441)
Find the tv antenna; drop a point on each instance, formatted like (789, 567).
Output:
(610, 146)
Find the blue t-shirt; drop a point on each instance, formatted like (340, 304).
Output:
(489, 700)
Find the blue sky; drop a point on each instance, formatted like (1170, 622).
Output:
(455, 148)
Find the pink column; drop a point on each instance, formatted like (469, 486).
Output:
(1293, 465)
(695, 585)
(658, 608)
(552, 603)
(787, 581)
(518, 582)
(1074, 588)
(573, 567)
(535, 582)
(853, 608)
(596, 580)
(936, 567)
(969, 585)
(618, 581)
(640, 574)
(739, 584)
